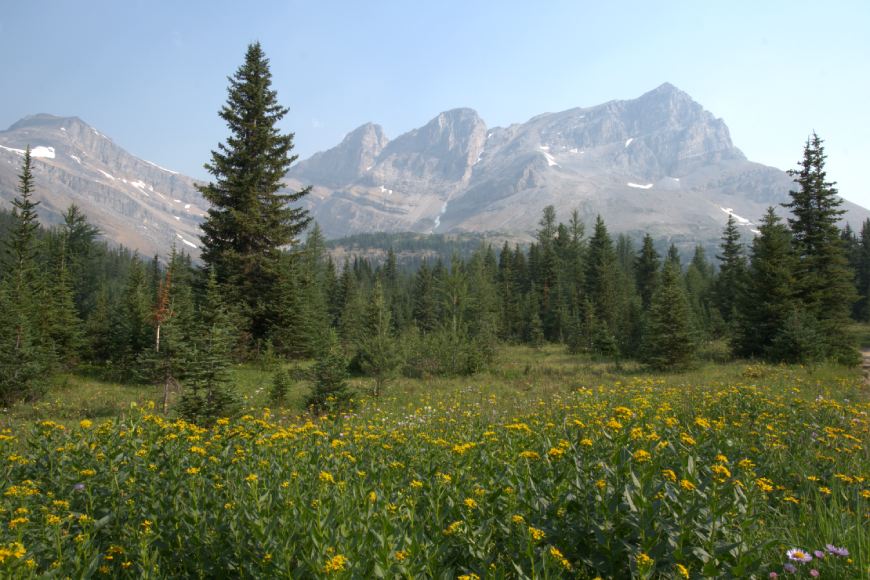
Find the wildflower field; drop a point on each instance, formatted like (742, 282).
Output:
(610, 476)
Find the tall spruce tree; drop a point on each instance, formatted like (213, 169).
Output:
(207, 393)
(861, 310)
(601, 286)
(379, 353)
(646, 271)
(732, 271)
(249, 221)
(768, 298)
(25, 354)
(823, 279)
(668, 342)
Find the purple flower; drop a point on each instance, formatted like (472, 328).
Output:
(814, 573)
(79, 487)
(774, 575)
(790, 568)
(837, 551)
(798, 555)
(819, 554)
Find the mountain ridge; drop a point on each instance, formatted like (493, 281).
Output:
(660, 163)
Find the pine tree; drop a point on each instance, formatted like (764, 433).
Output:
(282, 380)
(63, 325)
(100, 329)
(698, 282)
(601, 284)
(732, 271)
(249, 221)
(207, 392)
(823, 279)
(26, 355)
(668, 342)
(135, 328)
(379, 353)
(329, 376)
(80, 236)
(21, 245)
(861, 310)
(768, 300)
(647, 271)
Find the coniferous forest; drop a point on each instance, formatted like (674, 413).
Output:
(683, 430)
(267, 286)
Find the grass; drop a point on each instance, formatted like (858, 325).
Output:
(548, 465)
(518, 373)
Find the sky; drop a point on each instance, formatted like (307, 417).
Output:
(152, 75)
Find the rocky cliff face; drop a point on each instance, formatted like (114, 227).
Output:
(659, 163)
(133, 202)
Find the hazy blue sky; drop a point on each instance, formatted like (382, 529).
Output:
(152, 75)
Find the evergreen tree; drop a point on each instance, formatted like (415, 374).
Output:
(647, 271)
(861, 310)
(698, 282)
(823, 279)
(80, 236)
(135, 328)
(207, 392)
(281, 383)
(768, 300)
(21, 242)
(379, 353)
(63, 326)
(601, 284)
(249, 221)
(26, 355)
(668, 342)
(329, 377)
(732, 271)
(101, 329)
(674, 257)
(23, 364)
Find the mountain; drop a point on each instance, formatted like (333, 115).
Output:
(134, 202)
(659, 163)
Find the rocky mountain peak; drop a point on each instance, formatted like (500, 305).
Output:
(346, 162)
(133, 201)
(444, 149)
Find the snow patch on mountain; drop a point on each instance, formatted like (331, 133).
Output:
(551, 161)
(627, 143)
(740, 220)
(184, 241)
(640, 186)
(18, 151)
(112, 177)
(161, 168)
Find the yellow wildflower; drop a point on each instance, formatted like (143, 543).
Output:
(643, 560)
(641, 456)
(336, 563)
